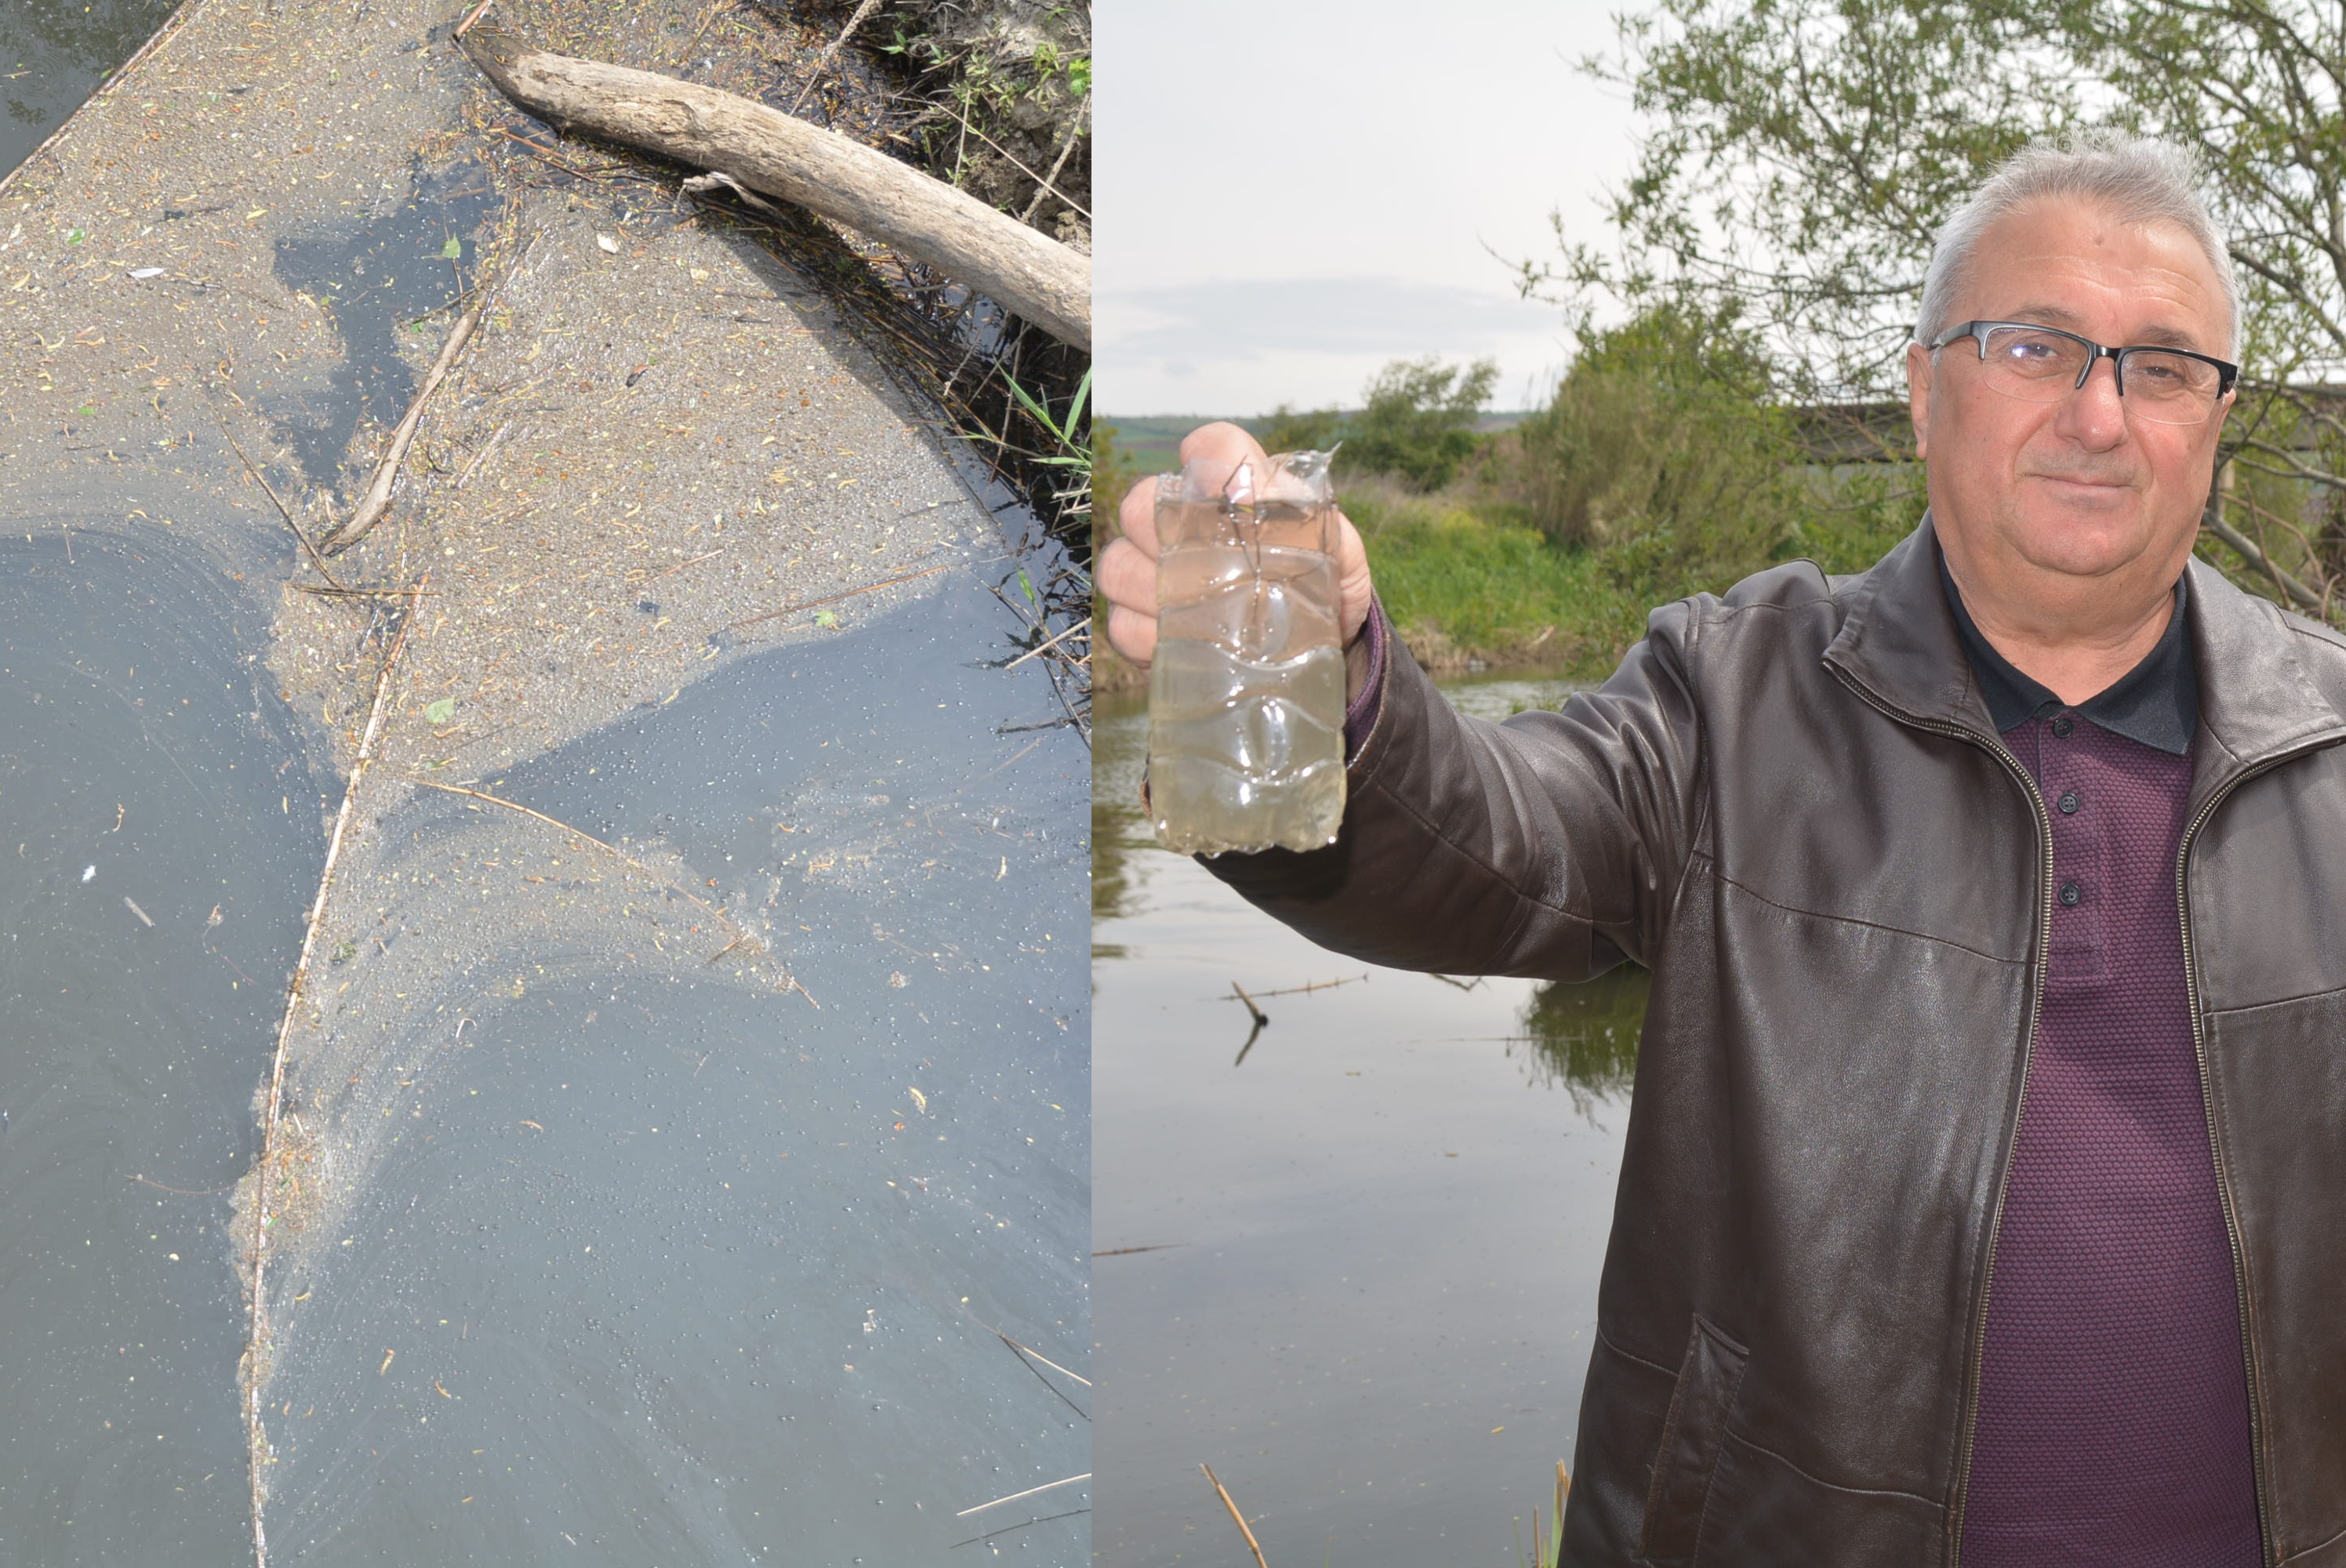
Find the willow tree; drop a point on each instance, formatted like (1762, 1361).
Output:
(1803, 153)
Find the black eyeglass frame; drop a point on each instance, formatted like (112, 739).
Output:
(2228, 374)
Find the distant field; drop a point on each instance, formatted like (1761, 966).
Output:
(1151, 444)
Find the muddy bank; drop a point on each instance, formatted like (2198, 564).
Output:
(667, 460)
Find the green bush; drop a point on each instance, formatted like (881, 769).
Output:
(1668, 453)
(1418, 424)
(1289, 429)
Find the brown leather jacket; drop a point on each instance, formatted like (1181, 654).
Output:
(1790, 803)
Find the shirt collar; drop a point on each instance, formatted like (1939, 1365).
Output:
(2155, 703)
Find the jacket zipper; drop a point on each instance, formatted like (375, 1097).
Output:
(2215, 1149)
(1978, 1337)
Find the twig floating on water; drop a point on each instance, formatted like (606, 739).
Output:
(1030, 1491)
(1128, 1251)
(282, 510)
(181, 1191)
(1028, 1524)
(147, 919)
(680, 565)
(257, 1306)
(378, 496)
(675, 887)
(483, 455)
(361, 593)
(1252, 1544)
(1301, 990)
(1041, 648)
(835, 598)
(831, 53)
(1261, 1017)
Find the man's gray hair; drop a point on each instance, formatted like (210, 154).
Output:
(2138, 178)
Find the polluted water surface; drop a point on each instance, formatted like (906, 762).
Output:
(1349, 1257)
(669, 1194)
(660, 1263)
(159, 840)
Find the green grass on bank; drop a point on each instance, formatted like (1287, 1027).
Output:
(1462, 579)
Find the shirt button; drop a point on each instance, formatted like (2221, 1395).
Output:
(2070, 893)
(2061, 727)
(2068, 802)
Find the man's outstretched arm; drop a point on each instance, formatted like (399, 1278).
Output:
(1550, 845)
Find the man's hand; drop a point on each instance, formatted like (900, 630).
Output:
(1128, 572)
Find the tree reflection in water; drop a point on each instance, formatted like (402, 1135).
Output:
(1583, 1037)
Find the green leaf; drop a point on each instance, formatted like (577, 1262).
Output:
(1027, 584)
(453, 251)
(440, 712)
(825, 619)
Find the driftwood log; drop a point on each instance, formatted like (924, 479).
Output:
(1030, 274)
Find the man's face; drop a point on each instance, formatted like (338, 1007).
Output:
(2077, 487)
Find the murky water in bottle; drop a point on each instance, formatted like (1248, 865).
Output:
(1246, 699)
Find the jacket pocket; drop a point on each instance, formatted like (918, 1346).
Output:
(1691, 1431)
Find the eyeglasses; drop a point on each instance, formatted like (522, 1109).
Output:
(2045, 364)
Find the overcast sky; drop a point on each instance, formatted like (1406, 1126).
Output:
(1288, 193)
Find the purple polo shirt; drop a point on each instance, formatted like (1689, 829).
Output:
(2113, 1423)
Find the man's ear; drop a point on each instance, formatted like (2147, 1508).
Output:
(1918, 395)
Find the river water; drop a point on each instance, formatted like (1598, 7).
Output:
(159, 842)
(1351, 1262)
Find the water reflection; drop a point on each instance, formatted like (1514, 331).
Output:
(1583, 1038)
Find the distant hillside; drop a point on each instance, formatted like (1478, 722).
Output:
(1151, 444)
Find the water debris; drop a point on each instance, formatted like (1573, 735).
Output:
(282, 510)
(608, 245)
(377, 501)
(1030, 1491)
(257, 1353)
(143, 273)
(1224, 1493)
(87, 872)
(387, 1358)
(835, 598)
(743, 935)
(133, 909)
(918, 1098)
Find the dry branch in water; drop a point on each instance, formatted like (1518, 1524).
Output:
(378, 495)
(1231, 1503)
(256, 1370)
(1030, 274)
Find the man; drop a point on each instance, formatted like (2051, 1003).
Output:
(1984, 1194)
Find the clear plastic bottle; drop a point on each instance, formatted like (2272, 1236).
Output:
(1246, 697)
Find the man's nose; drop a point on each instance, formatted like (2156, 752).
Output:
(2095, 415)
